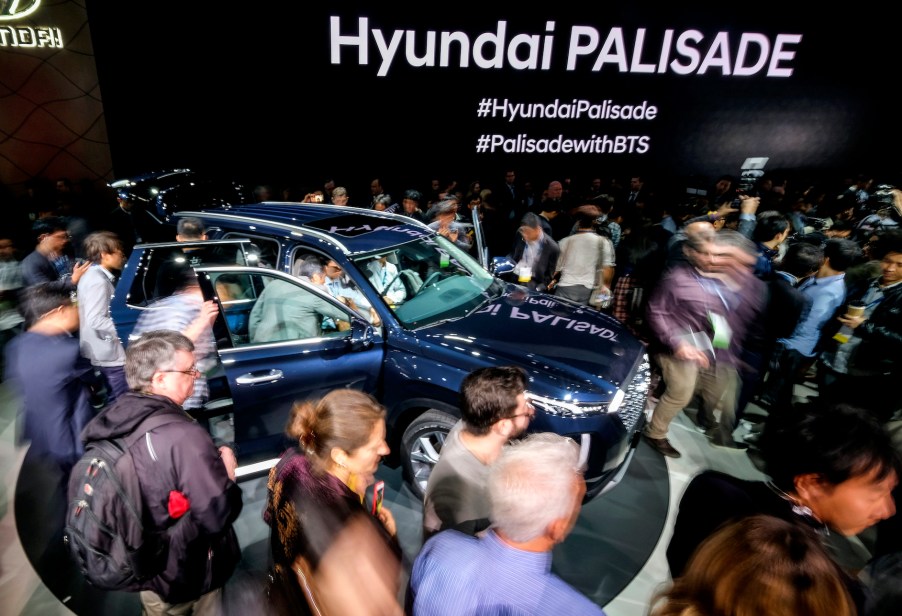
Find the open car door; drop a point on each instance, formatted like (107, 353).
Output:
(280, 340)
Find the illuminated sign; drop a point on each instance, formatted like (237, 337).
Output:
(678, 52)
(17, 9)
(26, 36)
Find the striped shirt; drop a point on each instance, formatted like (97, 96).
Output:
(176, 313)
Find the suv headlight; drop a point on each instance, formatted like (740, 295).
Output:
(563, 408)
(635, 394)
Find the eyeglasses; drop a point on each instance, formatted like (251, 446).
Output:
(531, 413)
(193, 372)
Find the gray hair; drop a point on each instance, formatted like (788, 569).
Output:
(307, 267)
(528, 485)
(152, 352)
(339, 191)
(728, 237)
(383, 199)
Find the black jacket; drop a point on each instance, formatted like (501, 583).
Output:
(544, 266)
(179, 456)
(713, 499)
(880, 334)
(36, 268)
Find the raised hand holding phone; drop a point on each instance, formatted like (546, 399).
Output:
(378, 496)
(384, 515)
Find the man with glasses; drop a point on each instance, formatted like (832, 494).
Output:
(341, 288)
(49, 261)
(187, 484)
(494, 409)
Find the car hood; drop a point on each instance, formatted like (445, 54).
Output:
(565, 348)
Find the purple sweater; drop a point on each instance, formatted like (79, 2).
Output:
(683, 299)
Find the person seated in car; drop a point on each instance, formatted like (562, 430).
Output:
(444, 222)
(344, 290)
(285, 312)
(384, 277)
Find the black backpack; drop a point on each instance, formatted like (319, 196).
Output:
(104, 528)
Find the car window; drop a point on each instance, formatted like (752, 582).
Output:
(427, 280)
(161, 269)
(263, 308)
(266, 249)
(338, 283)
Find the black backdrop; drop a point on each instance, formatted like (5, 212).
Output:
(248, 90)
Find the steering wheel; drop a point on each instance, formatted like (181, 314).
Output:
(431, 279)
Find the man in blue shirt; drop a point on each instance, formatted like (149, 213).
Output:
(827, 292)
(535, 489)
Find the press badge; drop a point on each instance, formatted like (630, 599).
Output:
(722, 331)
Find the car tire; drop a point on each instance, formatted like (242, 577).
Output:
(421, 445)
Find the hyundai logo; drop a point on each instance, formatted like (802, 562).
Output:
(17, 9)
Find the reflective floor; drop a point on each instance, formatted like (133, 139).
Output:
(615, 555)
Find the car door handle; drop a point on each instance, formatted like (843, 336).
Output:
(252, 378)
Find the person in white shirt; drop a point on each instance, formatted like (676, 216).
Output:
(384, 277)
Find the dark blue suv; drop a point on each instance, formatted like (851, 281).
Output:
(416, 315)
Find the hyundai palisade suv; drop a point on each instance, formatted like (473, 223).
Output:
(408, 340)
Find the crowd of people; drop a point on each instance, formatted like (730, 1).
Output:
(738, 294)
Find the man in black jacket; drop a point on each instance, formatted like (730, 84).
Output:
(48, 261)
(860, 361)
(832, 468)
(535, 253)
(187, 485)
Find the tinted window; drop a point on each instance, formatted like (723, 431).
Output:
(262, 308)
(162, 269)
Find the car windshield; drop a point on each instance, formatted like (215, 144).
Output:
(428, 280)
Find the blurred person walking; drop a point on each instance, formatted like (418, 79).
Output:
(536, 490)
(331, 554)
(48, 262)
(11, 284)
(699, 315)
(51, 381)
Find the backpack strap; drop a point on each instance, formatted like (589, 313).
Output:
(152, 422)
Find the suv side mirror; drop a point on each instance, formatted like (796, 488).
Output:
(362, 335)
(502, 265)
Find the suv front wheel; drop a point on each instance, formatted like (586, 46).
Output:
(421, 445)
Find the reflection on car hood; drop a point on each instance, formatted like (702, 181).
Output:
(543, 335)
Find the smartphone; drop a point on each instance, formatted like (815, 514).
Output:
(378, 495)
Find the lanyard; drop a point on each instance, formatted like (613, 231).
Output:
(710, 286)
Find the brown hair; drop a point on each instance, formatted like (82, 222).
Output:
(99, 243)
(758, 565)
(343, 418)
(488, 395)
